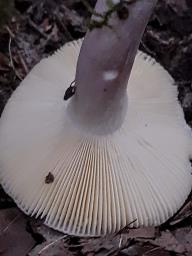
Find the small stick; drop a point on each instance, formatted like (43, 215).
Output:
(64, 28)
(50, 244)
(10, 223)
(125, 229)
(12, 35)
(11, 60)
(23, 63)
(152, 250)
(35, 27)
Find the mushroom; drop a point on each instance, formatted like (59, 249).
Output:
(109, 154)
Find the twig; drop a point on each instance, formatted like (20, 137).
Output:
(76, 245)
(64, 28)
(10, 223)
(36, 28)
(50, 244)
(11, 60)
(120, 241)
(147, 48)
(90, 9)
(23, 63)
(12, 35)
(10, 53)
(126, 228)
(152, 250)
(128, 243)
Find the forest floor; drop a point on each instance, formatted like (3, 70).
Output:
(35, 29)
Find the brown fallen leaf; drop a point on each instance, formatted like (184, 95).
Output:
(14, 239)
(169, 242)
(184, 237)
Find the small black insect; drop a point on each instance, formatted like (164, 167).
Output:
(70, 91)
(49, 178)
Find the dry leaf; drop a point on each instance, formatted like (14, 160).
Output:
(184, 237)
(14, 239)
(168, 241)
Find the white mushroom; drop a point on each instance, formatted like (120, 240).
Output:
(100, 160)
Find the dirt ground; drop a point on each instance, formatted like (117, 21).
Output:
(30, 30)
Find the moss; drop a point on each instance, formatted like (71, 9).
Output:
(121, 9)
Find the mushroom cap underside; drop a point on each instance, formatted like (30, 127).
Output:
(99, 183)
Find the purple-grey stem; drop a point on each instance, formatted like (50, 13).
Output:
(105, 63)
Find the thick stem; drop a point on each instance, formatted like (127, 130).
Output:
(105, 63)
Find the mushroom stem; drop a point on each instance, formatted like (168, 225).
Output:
(105, 63)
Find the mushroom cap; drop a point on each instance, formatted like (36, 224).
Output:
(99, 183)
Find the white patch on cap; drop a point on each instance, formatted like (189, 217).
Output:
(110, 75)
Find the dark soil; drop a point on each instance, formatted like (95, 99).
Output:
(30, 30)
